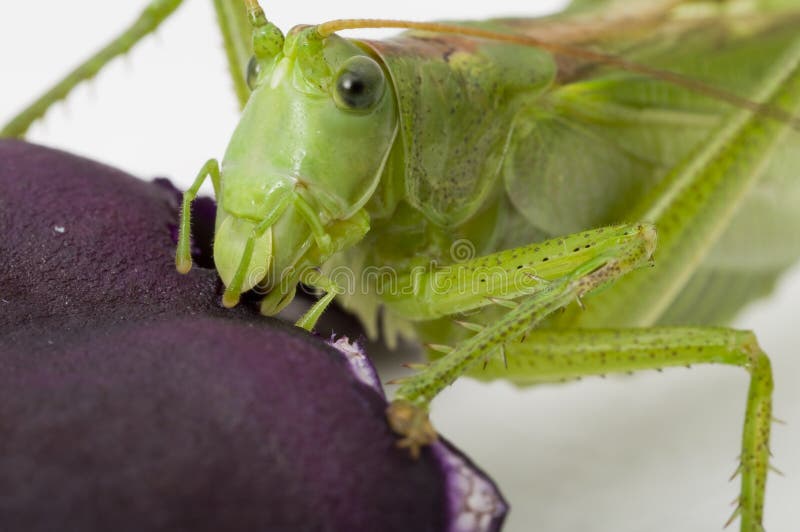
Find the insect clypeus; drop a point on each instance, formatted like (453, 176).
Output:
(587, 146)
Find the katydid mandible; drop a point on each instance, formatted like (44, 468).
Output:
(525, 140)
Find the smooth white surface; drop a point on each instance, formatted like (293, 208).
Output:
(647, 453)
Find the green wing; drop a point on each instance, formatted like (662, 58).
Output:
(457, 99)
(597, 143)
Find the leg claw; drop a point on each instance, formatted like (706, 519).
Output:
(412, 423)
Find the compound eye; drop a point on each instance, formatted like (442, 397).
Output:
(359, 84)
(253, 70)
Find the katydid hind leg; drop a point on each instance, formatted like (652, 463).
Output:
(549, 355)
(151, 17)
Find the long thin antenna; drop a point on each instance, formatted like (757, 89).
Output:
(327, 28)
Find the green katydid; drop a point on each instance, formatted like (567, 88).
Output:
(457, 135)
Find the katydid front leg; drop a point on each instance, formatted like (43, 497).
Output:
(319, 281)
(183, 255)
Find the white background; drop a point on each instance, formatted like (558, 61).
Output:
(646, 453)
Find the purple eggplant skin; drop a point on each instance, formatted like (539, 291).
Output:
(83, 243)
(130, 400)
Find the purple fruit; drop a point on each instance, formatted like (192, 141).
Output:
(130, 400)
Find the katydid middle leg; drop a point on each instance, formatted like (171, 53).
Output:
(513, 273)
(624, 249)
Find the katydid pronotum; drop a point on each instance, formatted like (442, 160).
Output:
(591, 114)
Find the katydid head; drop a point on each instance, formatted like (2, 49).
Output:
(307, 155)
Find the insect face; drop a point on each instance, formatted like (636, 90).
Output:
(307, 155)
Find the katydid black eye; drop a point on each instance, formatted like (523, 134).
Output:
(253, 70)
(359, 84)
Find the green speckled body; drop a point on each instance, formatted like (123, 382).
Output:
(568, 146)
